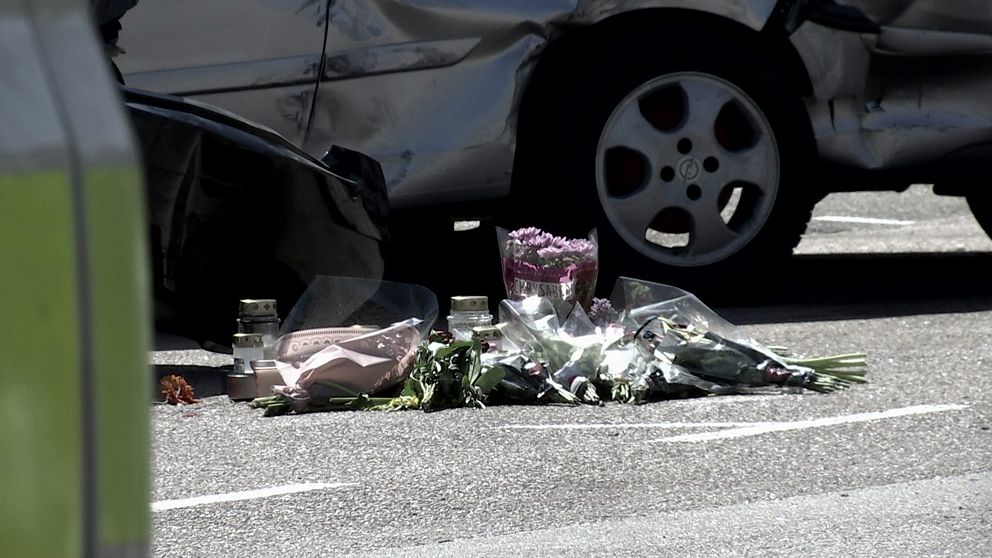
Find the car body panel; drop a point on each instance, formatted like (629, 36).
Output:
(254, 57)
(957, 16)
(448, 131)
(752, 13)
(236, 211)
(432, 88)
(222, 32)
(918, 92)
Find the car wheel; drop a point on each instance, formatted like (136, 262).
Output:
(688, 151)
(980, 203)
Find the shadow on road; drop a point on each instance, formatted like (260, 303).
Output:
(805, 288)
(850, 286)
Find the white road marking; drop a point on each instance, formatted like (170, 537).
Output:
(714, 400)
(246, 495)
(462, 226)
(815, 423)
(862, 220)
(665, 425)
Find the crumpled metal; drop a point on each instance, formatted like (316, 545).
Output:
(236, 211)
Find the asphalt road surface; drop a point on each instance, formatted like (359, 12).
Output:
(899, 467)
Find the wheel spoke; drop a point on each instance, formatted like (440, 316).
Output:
(635, 212)
(704, 102)
(630, 129)
(709, 232)
(757, 165)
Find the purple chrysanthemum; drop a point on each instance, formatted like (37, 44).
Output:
(538, 263)
(536, 246)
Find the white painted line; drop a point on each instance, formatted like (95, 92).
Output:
(712, 400)
(462, 226)
(664, 425)
(246, 495)
(815, 423)
(862, 220)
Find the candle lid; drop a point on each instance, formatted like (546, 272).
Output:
(470, 304)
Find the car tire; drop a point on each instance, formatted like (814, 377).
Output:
(686, 148)
(980, 203)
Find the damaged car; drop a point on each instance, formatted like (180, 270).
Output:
(236, 211)
(695, 134)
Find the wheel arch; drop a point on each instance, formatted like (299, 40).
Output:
(772, 38)
(565, 54)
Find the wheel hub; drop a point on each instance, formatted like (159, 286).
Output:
(689, 169)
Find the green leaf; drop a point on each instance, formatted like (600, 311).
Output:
(474, 361)
(446, 352)
(409, 387)
(488, 380)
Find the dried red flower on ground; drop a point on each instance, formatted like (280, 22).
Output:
(176, 391)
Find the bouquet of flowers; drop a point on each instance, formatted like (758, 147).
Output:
(675, 345)
(536, 263)
(559, 336)
(649, 341)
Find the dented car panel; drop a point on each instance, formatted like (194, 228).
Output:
(752, 13)
(449, 129)
(235, 210)
(432, 88)
(446, 131)
(959, 16)
(916, 92)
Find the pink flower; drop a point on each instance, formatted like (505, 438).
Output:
(550, 253)
(534, 245)
(534, 256)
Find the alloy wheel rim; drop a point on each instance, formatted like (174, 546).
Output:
(687, 169)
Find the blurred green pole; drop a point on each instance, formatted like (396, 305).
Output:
(74, 468)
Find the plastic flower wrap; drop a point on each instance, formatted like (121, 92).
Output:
(348, 336)
(536, 263)
(560, 336)
(656, 341)
(679, 343)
